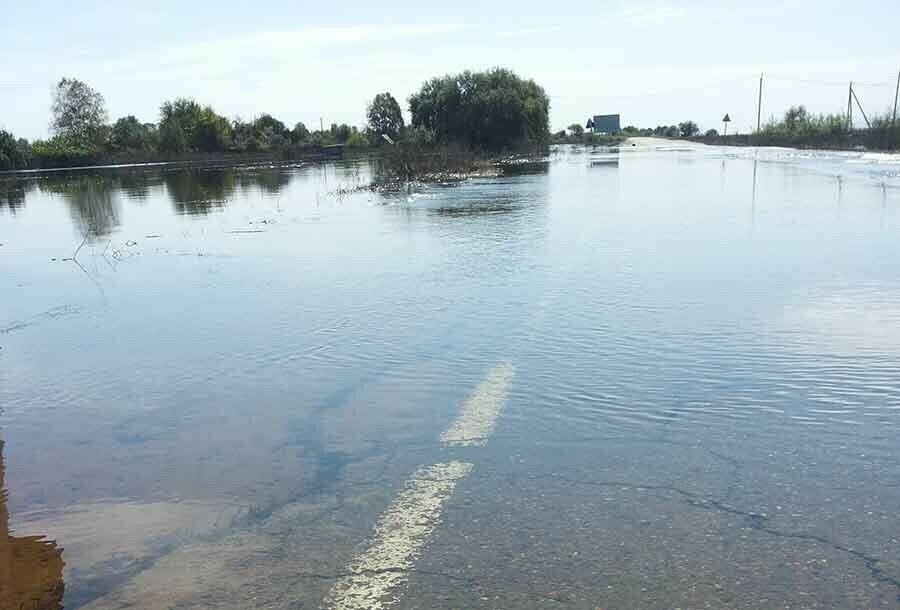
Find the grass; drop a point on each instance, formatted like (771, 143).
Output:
(799, 129)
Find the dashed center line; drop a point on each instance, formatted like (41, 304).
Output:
(480, 411)
(376, 574)
(399, 536)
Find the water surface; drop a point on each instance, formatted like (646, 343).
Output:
(692, 353)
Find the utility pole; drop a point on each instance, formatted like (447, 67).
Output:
(759, 104)
(896, 93)
(869, 125)
(850, 107)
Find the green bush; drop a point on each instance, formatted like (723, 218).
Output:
(799, 128)
(61, 151)
(13, 154)
(129, 134)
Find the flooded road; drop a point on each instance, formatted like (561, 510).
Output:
(655, 377)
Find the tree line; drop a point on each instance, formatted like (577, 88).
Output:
(797, 128)
(82, 134)
(576, 134)
(490, 110)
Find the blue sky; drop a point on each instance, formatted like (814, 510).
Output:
(654, 62)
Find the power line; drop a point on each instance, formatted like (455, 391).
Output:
(826, 83)
(689, 89)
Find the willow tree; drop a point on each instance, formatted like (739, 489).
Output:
(491, 110)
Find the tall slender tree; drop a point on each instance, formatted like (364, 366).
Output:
(79, 112)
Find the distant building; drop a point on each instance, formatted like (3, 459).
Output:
(606, 123)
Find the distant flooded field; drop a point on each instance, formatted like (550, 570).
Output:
(659, 376)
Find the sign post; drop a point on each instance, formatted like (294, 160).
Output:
(726, 119)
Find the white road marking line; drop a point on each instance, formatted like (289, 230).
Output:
(479, 413)
(400, 534)
(378, 572)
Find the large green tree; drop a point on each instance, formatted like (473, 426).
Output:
(384, 116)
(79, 112)
(492, 110)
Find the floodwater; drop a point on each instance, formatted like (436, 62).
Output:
(655, 377)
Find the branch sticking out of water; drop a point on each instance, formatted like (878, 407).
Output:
(81, 245)
(74, 256)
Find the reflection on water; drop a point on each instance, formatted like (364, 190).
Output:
(93, 196)
(270, 180)
(92, 204)
(453, 204)
(488, 207)
(199, 191)
(137, 184)
(12, 194)
(605, 158)
(31, 568)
